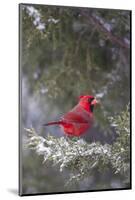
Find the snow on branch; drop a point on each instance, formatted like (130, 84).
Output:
(81, 157)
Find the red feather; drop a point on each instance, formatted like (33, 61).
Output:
(79, 119)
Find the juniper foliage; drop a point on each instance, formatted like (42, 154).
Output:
(80, 157)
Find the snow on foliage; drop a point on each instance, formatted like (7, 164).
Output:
(81, 157)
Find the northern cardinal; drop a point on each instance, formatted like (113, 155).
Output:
(79, 119)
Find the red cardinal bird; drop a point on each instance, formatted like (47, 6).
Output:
(79, 119)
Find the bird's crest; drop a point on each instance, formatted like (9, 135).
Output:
(86, 96)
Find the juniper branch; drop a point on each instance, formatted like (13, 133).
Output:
(80, 157)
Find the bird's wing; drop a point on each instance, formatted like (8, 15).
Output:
(77, 115)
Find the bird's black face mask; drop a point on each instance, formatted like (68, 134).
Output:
(91, 106)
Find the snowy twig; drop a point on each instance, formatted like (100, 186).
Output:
(81, 157)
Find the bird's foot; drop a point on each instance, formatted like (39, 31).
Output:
(70, 138)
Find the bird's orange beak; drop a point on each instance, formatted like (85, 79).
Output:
(95, 102)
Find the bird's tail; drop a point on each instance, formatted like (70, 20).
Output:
(53, 123)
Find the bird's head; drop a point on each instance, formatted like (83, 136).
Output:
(88, 102)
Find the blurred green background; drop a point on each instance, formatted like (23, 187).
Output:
(66, 52)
